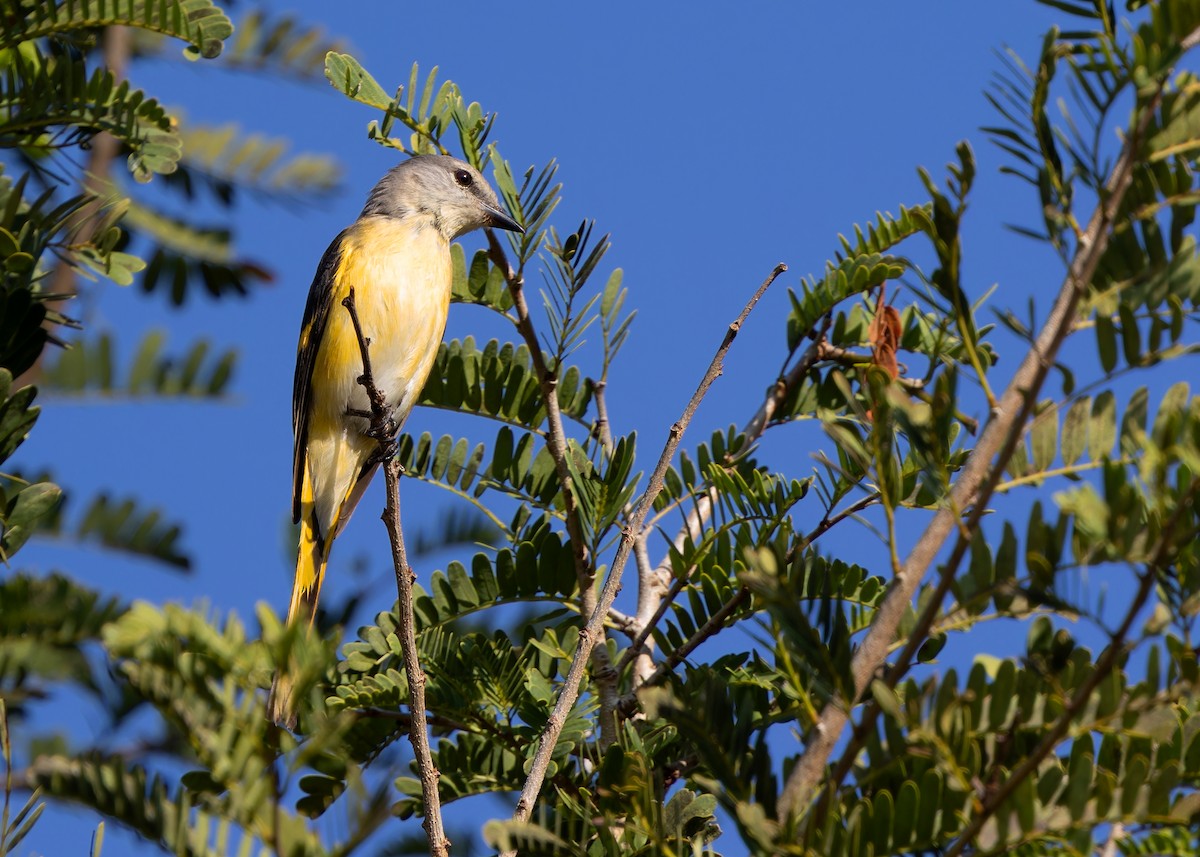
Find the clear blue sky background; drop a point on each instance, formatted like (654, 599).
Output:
(711, 140)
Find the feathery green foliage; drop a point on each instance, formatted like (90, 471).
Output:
(1068, 748)
(87, 367)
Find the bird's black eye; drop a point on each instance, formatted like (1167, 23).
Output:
(463, 178)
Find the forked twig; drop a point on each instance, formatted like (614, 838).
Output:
(650, 613)
(595, 625)
(383, 428)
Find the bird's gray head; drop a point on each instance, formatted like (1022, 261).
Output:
(450, 191)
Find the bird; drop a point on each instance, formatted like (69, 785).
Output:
(396, 258)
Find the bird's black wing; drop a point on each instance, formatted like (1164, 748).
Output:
(312, 331)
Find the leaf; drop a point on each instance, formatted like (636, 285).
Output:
(45, 93)
(278, 43)
(497, 381)
(931, 648)
(23, 822)
(143, 801)
(1106, 340)
(887, 700)
(178, 267)
(884, 336)
(1131, 338)
(349, 77)
(850, 276)
(886, 231)
(1103, 427)
(199, 22)
(17, 414)
(48, 624)
(24, 512)
(229, 159)
(1178, 132)
(122, 526)
(483, 284)
(1133, 422)
(1044, 438)
(1075, 431)
(86, 368)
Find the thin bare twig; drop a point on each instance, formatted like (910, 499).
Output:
(830, 521)
(975, 485)
(592, 631)
(383, 429)
(649, 612)
(650, 582)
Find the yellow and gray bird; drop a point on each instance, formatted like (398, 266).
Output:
(396, 257)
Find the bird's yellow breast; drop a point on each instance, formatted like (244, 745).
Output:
(400, 270)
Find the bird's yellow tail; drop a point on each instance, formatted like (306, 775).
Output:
(306, 589)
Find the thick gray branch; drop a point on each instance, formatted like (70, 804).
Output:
(974, 485)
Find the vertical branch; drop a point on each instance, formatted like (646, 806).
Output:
(103, 150)
(383, 429)
(418, 732)
(603, 427)
(556, 441)
(653, 586)
(117, 43)
(594, 629)
(6, 756)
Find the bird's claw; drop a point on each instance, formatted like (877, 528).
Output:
(382, 430)
(386, 451)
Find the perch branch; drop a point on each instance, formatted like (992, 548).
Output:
(383, 429)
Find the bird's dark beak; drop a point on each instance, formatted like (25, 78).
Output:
(499, 220)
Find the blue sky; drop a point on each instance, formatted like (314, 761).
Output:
(711, 141)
